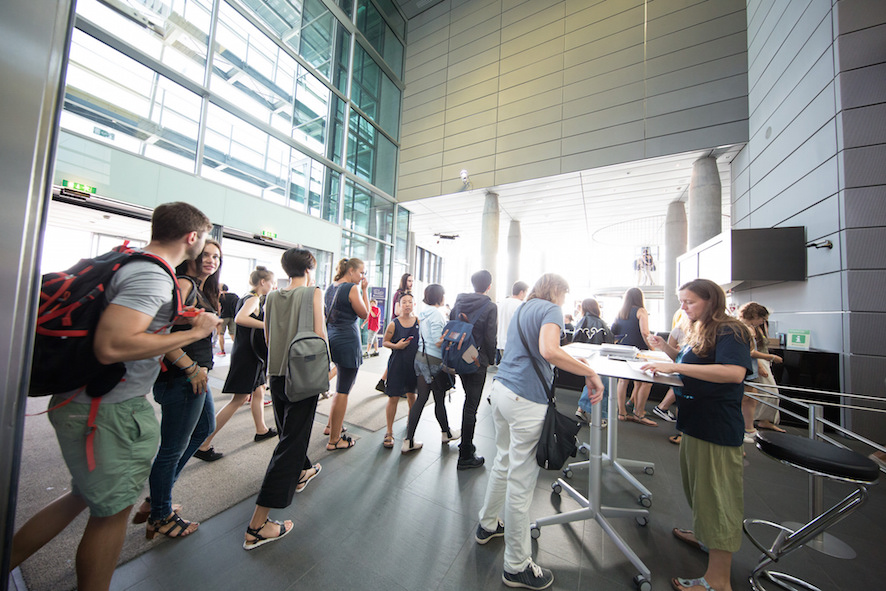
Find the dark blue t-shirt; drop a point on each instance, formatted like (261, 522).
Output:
(709, 411)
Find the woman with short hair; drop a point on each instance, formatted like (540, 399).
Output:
(519, 403)
(290, 470)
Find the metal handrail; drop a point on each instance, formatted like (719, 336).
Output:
(811, 404)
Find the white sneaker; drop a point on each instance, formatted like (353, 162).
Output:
(665, 415)
(451, 435)
(410, 445)
(584, 417)
(749, 436)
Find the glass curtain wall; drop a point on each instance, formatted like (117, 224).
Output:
(293, 101)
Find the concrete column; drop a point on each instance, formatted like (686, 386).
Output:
(514, 245)
(489, 239)
(705, 202)
(675, 245)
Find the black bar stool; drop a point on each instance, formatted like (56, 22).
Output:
(821, 459)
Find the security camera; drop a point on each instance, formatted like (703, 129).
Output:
(464, 176)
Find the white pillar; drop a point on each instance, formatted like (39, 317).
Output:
(675, 245)
(705, 202)
(489, 238)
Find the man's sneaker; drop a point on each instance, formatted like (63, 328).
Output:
(471, 462)
(451, 435)
(749, 436)
(532, 577)
(665, 415)
(410, 445)
(210, 455)
(380, 386)
(583, 416)
(482, 536)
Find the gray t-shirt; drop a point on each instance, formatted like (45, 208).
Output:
(282, 309)
(515, 370)
(145, 287)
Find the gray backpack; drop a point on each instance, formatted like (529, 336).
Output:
(307, 362)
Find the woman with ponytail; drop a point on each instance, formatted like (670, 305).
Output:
(247, 372)
(347, 302)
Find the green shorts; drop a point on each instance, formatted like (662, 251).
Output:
(126, 439)
(714, 486)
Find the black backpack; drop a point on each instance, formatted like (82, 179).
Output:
(71, 303)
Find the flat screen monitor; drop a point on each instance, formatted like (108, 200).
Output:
(769, 254)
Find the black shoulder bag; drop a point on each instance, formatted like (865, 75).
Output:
(558, 435)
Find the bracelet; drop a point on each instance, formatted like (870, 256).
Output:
(194, 364)
(193, 375)
(179, 358)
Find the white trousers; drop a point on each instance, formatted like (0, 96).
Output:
(518, 423)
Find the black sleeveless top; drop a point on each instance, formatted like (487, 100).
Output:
(199, 351)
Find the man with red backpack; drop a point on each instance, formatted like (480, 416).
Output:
(108, 442)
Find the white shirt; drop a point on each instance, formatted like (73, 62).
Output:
(506, 310)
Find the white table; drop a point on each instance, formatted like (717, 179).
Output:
(592, 507)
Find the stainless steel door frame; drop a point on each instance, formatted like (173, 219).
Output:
(34, 40)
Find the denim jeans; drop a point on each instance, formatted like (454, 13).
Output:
(518, 422)
(187, 420)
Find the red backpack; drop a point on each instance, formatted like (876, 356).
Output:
(71, 303)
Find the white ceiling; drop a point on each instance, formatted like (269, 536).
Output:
(623, 204)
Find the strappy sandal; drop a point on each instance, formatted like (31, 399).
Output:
(142, 516)
(675, 439)
(349, 443)
(304, 480)
(178, 529)
(388, 442)
(681, 584)
(260, 540)
(623, 417)
(644, 420)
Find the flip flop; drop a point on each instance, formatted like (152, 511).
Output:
(681, 584)
(675, 439)
(336, 447)
(302, 484)
(684, 536)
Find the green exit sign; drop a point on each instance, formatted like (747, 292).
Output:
(268, 234)
(78, 187)
(799, 340)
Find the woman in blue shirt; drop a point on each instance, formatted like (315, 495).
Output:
(519, 403)
(713, 364)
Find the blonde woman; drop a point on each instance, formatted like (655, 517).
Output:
(756, 317)
(247, 372)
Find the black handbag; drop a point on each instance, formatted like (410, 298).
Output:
(558, 440)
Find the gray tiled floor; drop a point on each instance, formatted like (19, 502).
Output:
(377, 520)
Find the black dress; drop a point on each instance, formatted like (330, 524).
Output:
(630, 328)
(247, 371)
(401, 370)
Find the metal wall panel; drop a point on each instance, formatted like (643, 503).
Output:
(33, 52)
